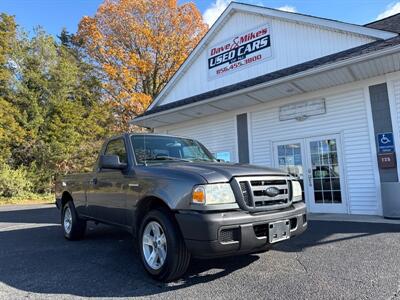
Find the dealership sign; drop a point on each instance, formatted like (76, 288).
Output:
(240, 51)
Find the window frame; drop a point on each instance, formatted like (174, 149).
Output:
(126, 150)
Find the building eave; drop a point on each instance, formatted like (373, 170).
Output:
(305, 70)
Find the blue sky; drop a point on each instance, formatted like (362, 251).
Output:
(53, 15)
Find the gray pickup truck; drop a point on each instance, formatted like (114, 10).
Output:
(178, 201)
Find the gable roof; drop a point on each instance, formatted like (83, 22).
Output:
(369, 48)
(273, 13)
(391, 23)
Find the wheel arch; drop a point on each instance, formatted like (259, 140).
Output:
(65, 197)
(147, 204)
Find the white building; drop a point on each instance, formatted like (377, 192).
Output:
(298, 92)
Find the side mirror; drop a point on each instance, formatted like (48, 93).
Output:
(111, 162)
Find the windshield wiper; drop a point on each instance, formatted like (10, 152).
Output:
(199, 159)
(170, 158)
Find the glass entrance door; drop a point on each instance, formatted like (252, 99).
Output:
(325, 180)
(317, 164)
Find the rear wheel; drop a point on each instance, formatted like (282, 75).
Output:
(74, 228)
(162, 249)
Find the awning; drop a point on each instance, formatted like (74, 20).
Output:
(366, 61)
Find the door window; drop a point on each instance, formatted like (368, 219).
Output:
(117, 147)
(290, 160)
(325, 171)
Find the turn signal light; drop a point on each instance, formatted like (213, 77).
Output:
(198, 195)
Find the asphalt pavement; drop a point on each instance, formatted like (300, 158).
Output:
(332, 260)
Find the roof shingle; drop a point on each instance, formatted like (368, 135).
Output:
(391, 23)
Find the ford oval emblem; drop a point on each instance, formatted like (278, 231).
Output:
(272, 191)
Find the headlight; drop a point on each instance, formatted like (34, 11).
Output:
(297, 192)
(210, 194)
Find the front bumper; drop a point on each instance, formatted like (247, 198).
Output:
(236, 232)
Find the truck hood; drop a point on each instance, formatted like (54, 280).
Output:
(222, 172)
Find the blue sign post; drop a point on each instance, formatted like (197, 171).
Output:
(385, 142)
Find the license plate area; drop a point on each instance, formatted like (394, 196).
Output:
(279, 231)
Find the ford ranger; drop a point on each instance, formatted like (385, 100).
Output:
(179, 202)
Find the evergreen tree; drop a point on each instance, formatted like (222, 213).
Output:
(7, 39)
(52, 116)
(11, 133)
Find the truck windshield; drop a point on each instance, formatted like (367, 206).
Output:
(153, 149)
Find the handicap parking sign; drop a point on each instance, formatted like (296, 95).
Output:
(385, 142)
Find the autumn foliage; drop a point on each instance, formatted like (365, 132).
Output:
(138, 45)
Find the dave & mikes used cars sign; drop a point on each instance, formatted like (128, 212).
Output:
(239, 51)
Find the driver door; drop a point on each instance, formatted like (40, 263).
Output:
(107, 195)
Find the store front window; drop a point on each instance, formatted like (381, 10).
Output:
(223, 155)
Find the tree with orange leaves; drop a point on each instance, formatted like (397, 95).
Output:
(138, 45)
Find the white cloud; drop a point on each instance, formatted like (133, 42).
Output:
(214, 11)
(391, 9)
(288, 8)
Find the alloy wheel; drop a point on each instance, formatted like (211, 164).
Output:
(154, 245)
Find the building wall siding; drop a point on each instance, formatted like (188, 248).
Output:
(292, 43)
(346, 115)
(217, 135)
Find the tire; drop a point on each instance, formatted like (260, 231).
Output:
(177, 257)
(73, 227)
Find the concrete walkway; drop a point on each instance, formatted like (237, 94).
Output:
(351, 218)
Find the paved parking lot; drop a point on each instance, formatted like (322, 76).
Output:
(333, 260)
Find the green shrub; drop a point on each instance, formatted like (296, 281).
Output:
(41, 179)
(14, 183)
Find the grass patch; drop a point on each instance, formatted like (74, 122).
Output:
(28, 199)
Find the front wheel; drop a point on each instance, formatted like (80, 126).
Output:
(74, 228)
(162, 249)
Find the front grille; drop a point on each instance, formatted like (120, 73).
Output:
(265, 193)
(245, 187)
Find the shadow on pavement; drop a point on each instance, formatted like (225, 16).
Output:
(105, 263)
(35, 215)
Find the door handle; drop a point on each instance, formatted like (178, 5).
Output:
(310, 178)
